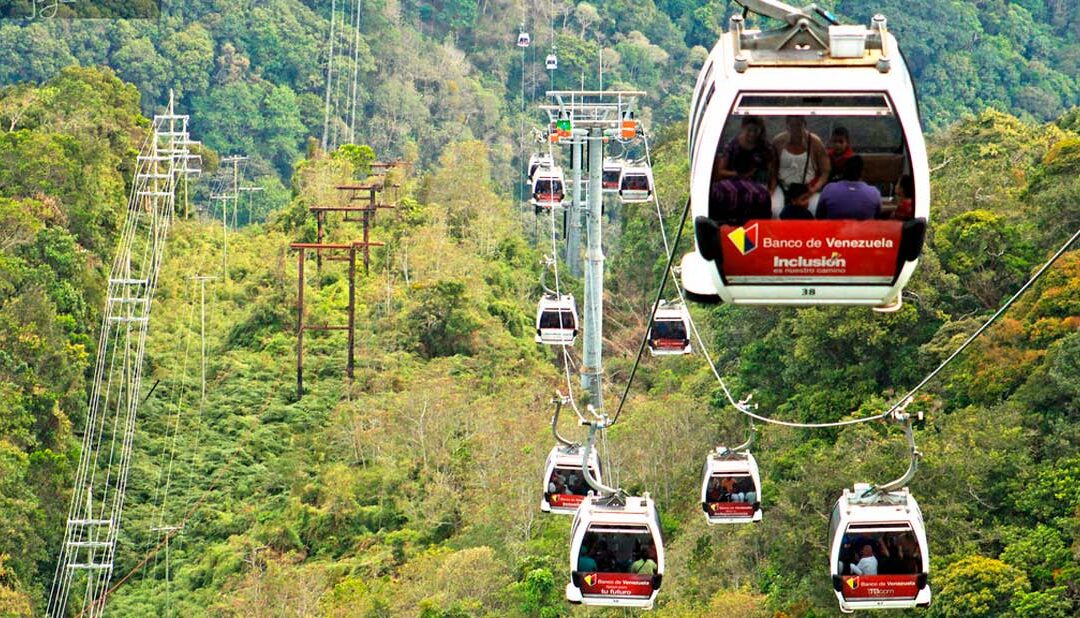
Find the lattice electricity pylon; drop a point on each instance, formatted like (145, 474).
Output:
(97, 500)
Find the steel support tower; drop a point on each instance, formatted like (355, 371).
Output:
(97, 499)
(573, 234)
(594, 117)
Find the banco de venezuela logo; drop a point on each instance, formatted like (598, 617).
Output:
(744, 239)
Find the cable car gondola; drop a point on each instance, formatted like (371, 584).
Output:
(564, 484)
(547, 188)
(669, 333)
(551, 62)
(731, 487)
(556, 320)
(879, 554)
(812, 76)
(635, 184)
(523, 39)
(537, 161)
(616, 553)
(610, 179)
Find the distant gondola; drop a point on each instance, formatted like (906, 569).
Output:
(610, 179)
(635, 184)
(556, 320)
(731, 488)
(669, 333)
(548, 188)
(564, 484)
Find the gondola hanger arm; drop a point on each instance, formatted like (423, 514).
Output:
(907, 419)
(613, 495)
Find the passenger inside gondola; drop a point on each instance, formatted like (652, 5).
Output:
(558, 319)
(903, 194)
(880, 553)
(802, 168)
(731, 489)
(646, 562)
(839, 152)
(568, 481)
(618, 549)
(669, 330)
(850, 197)
(548, 190)
(636, 182)
(611, 178)
(742, 172)
(797, 161)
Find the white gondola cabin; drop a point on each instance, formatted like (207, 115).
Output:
(537, 161)
(551, 62)
(879, 554)
(635, 184)
(564, 483)
(610, 179)
(731, 488)
(523, 39)
(616, 553)
(669, 333)
(556, 320)
(849, 88)
(548, 188)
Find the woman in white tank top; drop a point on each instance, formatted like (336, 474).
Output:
(803, 160)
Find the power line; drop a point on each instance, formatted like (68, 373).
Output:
(94, 515)
(212, 485)
(329, 76)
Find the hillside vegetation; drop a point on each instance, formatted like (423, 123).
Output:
(413, 490)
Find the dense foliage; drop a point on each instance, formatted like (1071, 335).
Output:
(412, 490)
(429, 73)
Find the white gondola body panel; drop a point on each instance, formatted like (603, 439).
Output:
(564, 484)
(836, 261)
(606, 544)
(731, 488)
(892, 527)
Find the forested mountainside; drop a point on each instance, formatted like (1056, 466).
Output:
(413, 490)
(253, 74)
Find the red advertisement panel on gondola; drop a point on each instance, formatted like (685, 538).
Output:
(731, 509)
(617, 584)
(670, 344)
(766, 251)
(880, 586)
(565, 501)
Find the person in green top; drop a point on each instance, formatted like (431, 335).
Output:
(585, 563)
(646, 565)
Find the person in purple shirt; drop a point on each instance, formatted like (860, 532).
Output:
(850, 198)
